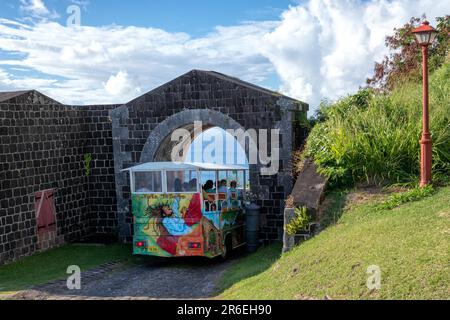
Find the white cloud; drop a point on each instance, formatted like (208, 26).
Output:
(37, 9)
(34, 6)
(319, 49)
(327, 48)
(88, 56)
(120, 84)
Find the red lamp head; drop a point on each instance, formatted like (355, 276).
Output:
(425, 34)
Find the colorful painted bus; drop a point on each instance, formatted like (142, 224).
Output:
(188, 209)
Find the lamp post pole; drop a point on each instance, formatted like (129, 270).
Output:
(425, 35)
(425, 142)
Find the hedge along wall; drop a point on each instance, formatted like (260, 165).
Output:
(43, 146)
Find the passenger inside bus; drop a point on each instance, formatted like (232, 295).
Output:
(208, 187)
(223, 186)
(233, 192)
(193, 185)
(224, 197)
(206, 190)
(177, 185)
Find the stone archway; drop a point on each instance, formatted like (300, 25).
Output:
(142, 130)
(159, 145)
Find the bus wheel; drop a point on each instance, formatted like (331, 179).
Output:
(227, 248)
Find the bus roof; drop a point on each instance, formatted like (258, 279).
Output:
(175, 166)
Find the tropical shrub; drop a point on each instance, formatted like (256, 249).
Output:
(300, 222)
(374, 137)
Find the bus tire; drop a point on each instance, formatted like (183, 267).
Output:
(227, 248)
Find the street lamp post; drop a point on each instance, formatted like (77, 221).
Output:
(425, 35)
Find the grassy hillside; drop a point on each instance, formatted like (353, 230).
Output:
(411, 245)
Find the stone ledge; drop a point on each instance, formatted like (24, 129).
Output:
(309, 188)
(308, 192)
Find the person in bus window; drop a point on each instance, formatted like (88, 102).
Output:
(193, 185)
(142, 185)
(223, 186)
(233, 192)
(177, 186)
(209, 187)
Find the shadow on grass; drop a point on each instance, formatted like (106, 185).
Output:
(333, 207)
(249, 265)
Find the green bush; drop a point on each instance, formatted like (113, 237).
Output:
(299, 223)
(374, 138)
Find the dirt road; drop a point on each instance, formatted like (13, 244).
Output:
(149, 279)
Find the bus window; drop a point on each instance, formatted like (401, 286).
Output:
(182, 181)
(222, 182)
(232, 176)
(240, 180)
(242, 183)
(247, 180)
(207, 180)
(147, 182)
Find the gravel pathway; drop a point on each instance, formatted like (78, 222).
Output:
(153, 279)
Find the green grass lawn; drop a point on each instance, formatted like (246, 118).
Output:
(52, 265)
(250, 265)
(410, 244)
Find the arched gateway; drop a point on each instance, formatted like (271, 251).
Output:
(142, 131)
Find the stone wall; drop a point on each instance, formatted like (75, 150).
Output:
(43, 146)
(101, 181)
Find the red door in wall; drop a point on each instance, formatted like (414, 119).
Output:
(44, 204)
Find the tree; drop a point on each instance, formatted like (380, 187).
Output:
(405, 59)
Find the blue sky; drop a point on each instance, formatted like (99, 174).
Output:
(310, 50)
(196, 17)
